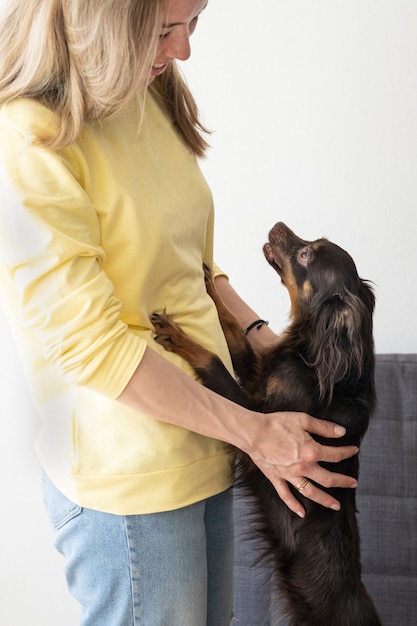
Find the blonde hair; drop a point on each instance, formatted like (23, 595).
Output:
(87, 59)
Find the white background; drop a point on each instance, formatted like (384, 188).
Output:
(314, 105)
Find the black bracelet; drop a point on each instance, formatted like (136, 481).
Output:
(256, 324)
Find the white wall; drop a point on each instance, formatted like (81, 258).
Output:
(314, 106)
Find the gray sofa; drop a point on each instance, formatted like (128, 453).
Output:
(387, 510)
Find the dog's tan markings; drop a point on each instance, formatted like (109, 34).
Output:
(306, 290)
(242, 354)
(232, 331)
(276, 387)
(293, 291)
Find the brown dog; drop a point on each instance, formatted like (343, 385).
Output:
(323, 364)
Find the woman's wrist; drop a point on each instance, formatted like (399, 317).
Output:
(261, 337)
(257, 324)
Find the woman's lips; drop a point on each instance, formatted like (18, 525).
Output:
(158, 68)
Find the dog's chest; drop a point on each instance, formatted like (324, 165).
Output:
(288, 385)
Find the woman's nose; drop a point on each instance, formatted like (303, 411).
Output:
(177, 45)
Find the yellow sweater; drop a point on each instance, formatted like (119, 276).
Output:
(93, 239)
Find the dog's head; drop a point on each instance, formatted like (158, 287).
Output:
(328, 298)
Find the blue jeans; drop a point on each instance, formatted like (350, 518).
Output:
(162, 569)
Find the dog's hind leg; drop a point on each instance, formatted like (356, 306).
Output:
(322, 579)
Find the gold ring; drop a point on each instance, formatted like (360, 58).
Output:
(300, 486)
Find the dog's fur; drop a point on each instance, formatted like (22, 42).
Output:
(323, 364)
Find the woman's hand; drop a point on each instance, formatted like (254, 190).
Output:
(285, 452)
(279, 443)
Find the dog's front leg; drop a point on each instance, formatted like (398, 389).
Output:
(208, 366)
(246, 363)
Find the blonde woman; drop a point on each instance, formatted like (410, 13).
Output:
(105, 218)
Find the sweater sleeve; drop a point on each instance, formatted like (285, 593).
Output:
(217, 271)
(50, 248)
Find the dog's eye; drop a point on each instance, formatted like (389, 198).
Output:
(304, 255)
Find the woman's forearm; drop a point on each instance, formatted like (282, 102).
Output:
(260, 338)
(279, 443)
(163, 391)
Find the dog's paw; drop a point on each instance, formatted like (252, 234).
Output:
(161, 323)
(159, 320)
(208, 274)
(209, 281)
(168, 333)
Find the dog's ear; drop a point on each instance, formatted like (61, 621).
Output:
(367, 295)
(340, 336)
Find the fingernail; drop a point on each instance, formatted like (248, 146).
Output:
(339, 430)
(301, 514)
(354, 485)
(335, 507)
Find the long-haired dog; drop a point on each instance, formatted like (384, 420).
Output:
(323, 364)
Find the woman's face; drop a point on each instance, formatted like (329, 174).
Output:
(174, 41)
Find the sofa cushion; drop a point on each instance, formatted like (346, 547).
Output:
(387, 492)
